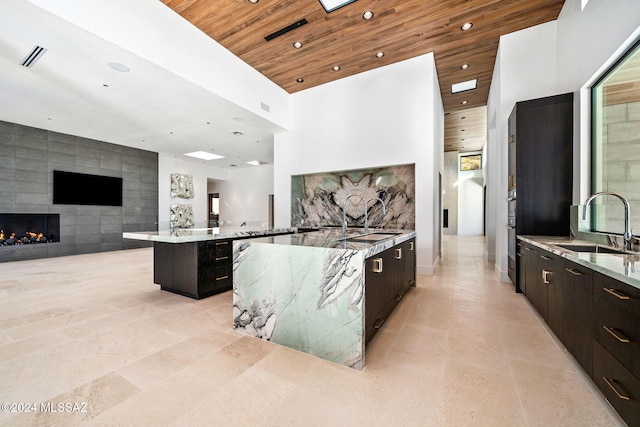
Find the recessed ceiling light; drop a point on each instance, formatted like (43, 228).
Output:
(367, 15)
(464, 66)
(299, 79)
(464, 102)
(297, 45)
(203, 155)
(253, 1)
(336, 68)
(467, 26)
(238, 119)
(464, 86)
(379, 54)
(253, 163)
(331, 5)
(118, 67)
(237, 133)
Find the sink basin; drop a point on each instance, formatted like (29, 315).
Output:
(371, 237)
(591, 248)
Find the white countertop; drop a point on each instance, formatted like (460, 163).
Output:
(203, 234)
(618, 266)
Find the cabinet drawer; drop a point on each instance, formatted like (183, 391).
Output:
(223, 248)
(619, 332)
(624, 296)
(617, 384)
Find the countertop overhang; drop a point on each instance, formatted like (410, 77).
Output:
(618, 266)
(186, 235)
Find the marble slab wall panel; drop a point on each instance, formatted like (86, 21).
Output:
(317, 199)
(306, 298)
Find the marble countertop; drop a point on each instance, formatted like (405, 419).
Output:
(332, 238)
(618, 266)
(203, 234)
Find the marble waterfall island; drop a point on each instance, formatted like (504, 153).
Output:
(307, 291)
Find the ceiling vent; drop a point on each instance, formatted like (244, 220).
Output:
(286, 29)
(35, 54)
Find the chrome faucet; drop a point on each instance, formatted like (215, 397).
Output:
(627, 209)
(344, 212)
(366, 213)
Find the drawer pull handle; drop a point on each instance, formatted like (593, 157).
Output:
(378, 324)
(528, 248)
(616, 336)
(545, 277)
(574, 272)
(610, 382)
(222, 278)
(546, 258)
(519, 254)
(221, 258)
(221, 243)
(616, 294)
(399, 297)
(410, 246)
(377, 265)
(399, 253)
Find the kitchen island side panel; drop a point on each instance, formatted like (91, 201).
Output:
(307, 298)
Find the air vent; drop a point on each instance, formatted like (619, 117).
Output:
(35, 54)
(286, 29)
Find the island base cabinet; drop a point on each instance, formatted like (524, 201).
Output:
(388, 276)
(619, 386)
(196, 270)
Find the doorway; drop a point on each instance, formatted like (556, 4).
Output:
(214, 210)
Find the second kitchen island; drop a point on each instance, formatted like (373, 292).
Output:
(319, 293)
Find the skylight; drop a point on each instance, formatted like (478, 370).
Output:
(331, 5)
(464, 86)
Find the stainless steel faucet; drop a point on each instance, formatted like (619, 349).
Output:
(344, 212)
(627, 214)
(366, 213)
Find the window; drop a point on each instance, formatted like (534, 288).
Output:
(616, 142)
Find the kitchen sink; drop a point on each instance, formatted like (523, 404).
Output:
(591, 248)
(371, 237)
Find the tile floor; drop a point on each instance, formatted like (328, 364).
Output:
(461, 349)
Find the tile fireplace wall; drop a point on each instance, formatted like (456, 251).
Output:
(28, 157)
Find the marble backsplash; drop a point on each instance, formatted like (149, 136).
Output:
(317, 199)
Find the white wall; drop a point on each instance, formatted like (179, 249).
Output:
(388, 116)
(244, 197)
(552, 58)
(200, 171)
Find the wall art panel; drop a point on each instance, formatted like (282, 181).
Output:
(181, 186)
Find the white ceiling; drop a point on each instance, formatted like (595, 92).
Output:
(71, 89)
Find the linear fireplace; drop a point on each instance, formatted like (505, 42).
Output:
(29, 228)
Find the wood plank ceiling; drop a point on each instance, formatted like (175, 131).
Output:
(344, 39)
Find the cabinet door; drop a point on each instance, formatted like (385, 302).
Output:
(375, 295)
(536, 288)
(526, 266)
(552, 275)
(578, 312)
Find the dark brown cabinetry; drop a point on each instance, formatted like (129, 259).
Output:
(596, 317)
(577, 312)
(388, 276)
(616, 347)
(540, 170)
(194, 269)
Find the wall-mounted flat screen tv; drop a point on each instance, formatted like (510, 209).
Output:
(70, 188)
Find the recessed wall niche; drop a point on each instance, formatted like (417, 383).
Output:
(317, 199)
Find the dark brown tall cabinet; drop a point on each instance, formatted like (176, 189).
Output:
(540, 170)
